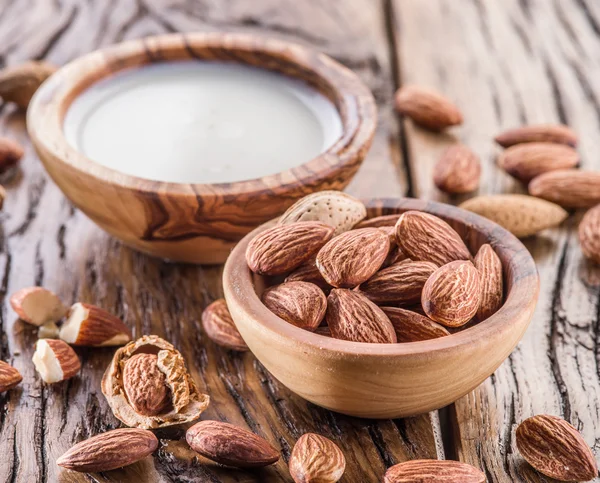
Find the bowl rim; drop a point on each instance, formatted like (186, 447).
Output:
(520, 300)
(353, 101)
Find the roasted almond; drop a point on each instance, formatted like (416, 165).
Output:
(37, 305)
(401, 283)
(427, 108)
(457, 171)
(282, 248)
(425, 237)
(145, 384)
(308, 272)
(9, 376)
(88, 325)
(109, 451)
(11, 153)
(526, 161)
(352, 316)
(589, 234)
(55, 361)
(316, 459)
(569, 188)
(353, 257)
(548, 133)
(230, 445)
(451, 295)
(412, 327)
(489, 266)
(18, 83)
(522, 215)
(443, 471)
(556, 449)
(220, 328)
(301, 304)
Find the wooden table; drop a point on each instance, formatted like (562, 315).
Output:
(505, 63)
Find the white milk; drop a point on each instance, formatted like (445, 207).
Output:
(201, 122)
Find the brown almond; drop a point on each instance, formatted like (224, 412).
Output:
(457, 171)
(489, 266)
(589, 234)
(230, 445)
(547, 133)
(11, 153)
(451, 295)
(316, 459)
(378, 221)
(109, 451)
(220, 327)
(308, 272)
(282, 248)
(522, 215)
(443, 471)
(556, 449)
(145, 384)
(526, 161)
(353, 257)
(9, 376)
(37, 305)
(18, 83)
(401, 283)
(55, 361)
(88, 325)
(569, 188)
(301, 304)
(425, 237)
(352, 316)
(412, 327)
(427, 108)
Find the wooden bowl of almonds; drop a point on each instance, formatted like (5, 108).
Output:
(385, 309)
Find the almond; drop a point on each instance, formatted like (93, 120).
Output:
(379, 221)
(145, 385)
(556, 449)
(88, 325)
(334, 208)
(549, 133)
(458, 170)
(308, 272)
(353, 257)
(489, 266)
(110, 450)
(569, 188)
(522, 215)
(55, 361)
(301, 304)
(589, 234)
(427, 108)
(282, 248)
(9, 376)
(37, 305)
(316, 459)
(424, 237)
(230, 445)
(444, 471)
(11, 153)
(399, 284)
(220, 328)
(526, 161)
(352, 316)
(19, 83)
(451, 295)
(412, 327)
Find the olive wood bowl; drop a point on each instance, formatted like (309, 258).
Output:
(388, 380)
(197, 223)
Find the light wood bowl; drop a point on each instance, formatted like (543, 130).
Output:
(197, 223)
(388, 380)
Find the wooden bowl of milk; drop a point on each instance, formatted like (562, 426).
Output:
(179, 145)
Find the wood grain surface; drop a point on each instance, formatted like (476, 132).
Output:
(504, 63)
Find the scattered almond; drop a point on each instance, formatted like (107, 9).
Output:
(9, 376)
(443, 471)
(458, 170)
(37, 305)
(589, 234)
(548, 133)
(88, 325)
(55, 361)
(11, 153)
(316, 459)
(427, 108)
(301, 304)
(489, 266)
(412, 327)
(308, 272)
(220, 328)
(19, 83)
(569, 188)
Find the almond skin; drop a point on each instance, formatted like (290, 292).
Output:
(589, 234)
(282, 248)
(9, 376)
(427, 108)
(220, 328)
(110, 450)
(569, 188)
(19, 83)
(316, 459)
(489, 266)
(308, 272)
(353, 257)
(556, 449)
(526, 161)
(549, 133)
(145, 385)
(444, 471)
(457, 171)
(451, 295)
(37, 305)
(230, 445)
(301, 304)
(88, 325)
(401, 283)
(522, 215)
(352, 316)
(413, 327)
(424, 237)
(11, 153)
